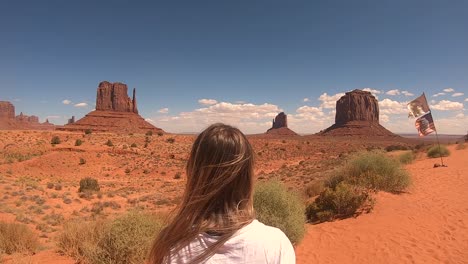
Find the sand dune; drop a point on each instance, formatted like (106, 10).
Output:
(429, 224)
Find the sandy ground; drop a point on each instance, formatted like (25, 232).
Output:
(429, 224)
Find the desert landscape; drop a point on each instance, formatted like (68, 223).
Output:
(142, 168)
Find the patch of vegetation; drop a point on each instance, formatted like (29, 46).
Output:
(134, 145)
(149, 133)
(55, 140)
(160, 134)
(276, 206)
(438, 151)
(395, 147)
(126, 239)
(89, 184)
(109, 143)
(17, 238)
(78, 142)
(170, 140)
(82, 161)
(344, 200)
(407, 157)
(88, 131)
(314, 188)
(375, 170)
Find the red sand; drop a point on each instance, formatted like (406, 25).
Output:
(429, 224)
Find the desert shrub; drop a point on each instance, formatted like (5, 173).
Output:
(170, 140)
(134, 145)
(343, 201)
(82, 161)
(438, 151)
(126, 239)
(78, 142)
(55, 140)
(88, 132)
(407, 157)
(377, 171)
(89, 184)
(109, 143)
(395, 147)
(178, 175)
(16, 237)
(275, 206)
(160, 134)
(149, 133)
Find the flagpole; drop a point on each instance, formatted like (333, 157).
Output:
(438, 142)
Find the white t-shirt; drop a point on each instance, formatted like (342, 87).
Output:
(252, 244)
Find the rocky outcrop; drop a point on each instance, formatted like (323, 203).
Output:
(7, 110)
(357, 113)
(115, 112)
(357, 105)
(114, 97)
(71, 120)
(280, 126)
(8, 120)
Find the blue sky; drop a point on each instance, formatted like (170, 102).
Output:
(249, 58)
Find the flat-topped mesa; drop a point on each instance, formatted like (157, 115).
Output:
(357, 114)
(7, 110)
(114, 97)
(357, 105)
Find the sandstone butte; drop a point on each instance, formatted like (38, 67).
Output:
(8, 120)
(357, 114)
(280, 126)
(115, 112)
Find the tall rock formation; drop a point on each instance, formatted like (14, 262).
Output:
(7, 110)
(8, 120)
(115, 112)
(280, 126)
(114, 97)
(357, 113)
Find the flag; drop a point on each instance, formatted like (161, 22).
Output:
(425, 125)
(418, 107)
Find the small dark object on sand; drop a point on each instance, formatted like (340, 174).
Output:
(436, 165)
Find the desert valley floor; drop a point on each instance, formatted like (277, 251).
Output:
(40, 181)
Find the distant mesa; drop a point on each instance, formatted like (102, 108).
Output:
(280, 126)
(115, 112)
(357, 113)
(8, 120)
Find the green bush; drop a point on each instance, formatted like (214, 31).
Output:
(377, 171)
(343, 201)
(109, 143)
(126, 239)
(78, 142)
(134, 145)
(82, 161)
(314, 188)
(407, 157)
(460, 145)
(55, 140)
(149, 133)
(89, 184)
(170, 140)
(438, 151)
(88, 132)
(277, 207)
(17, 238)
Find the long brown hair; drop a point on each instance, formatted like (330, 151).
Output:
(218, 197)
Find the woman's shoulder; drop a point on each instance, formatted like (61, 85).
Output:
(258, 231)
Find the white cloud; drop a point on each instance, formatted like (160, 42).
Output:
(466, 99)
(457, 94)
(406, 93)
(388, 106)
(393, 92)
(460, 116)
(163, 110)
(329, 101)
(446, 105)
(438, 94)
(250, 118)
(306, 99)
(373, 91)
(310, 109)
(207, 101)
(81, 105)
(449, 90)
(66, 102)
(384, 118)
